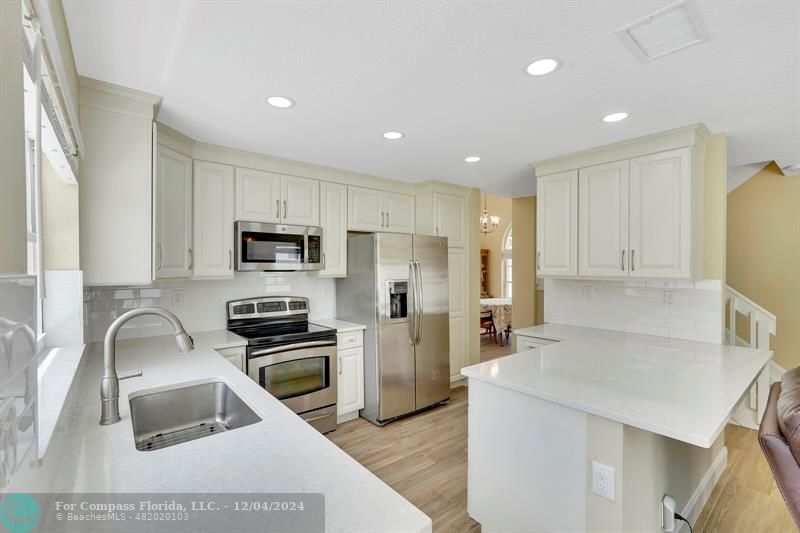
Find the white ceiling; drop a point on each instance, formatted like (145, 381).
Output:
(450, 74)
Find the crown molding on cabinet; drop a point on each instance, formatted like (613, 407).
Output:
(103, 95)
(648, 144)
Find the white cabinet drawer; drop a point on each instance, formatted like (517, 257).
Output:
(531, 343)
(349, 339)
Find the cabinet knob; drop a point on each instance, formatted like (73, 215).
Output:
(633, 264)
(538, 260)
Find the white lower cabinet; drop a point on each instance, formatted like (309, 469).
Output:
(234, 355)
(350, 378)
(531, 343)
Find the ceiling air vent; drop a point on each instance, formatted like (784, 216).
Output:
(668, 30)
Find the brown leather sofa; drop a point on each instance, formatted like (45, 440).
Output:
(779, 436)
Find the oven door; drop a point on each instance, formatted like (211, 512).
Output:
(301, 375)
(277, 247)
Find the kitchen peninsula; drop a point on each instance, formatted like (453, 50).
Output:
(645, 413)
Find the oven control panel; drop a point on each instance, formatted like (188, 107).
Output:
(269, 306)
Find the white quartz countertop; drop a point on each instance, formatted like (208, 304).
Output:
(280, 454)
(340, 326)
(680, 389)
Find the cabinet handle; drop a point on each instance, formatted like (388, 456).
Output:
(633, 265)
(437, 231)
(285, 211)
(278, 208)
(160, 256)
(191, 259)
(383, 219)
(230, 259)
(539, 261)
(323, 261)
(387, 219)
(340, 366)
(622, 262)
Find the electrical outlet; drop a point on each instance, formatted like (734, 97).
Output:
(177, 297)
(669, 297)
(603, 482)
(587, 292)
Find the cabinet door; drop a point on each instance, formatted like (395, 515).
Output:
(333, 217)
(213, 220)
(350, 383)
(661, 215)
(258, 196)
(603, 220)
(234, 356)
(448, 217)
(173, 214)
(557, 224)
(399, 212)
(364, 209)
(300, 201)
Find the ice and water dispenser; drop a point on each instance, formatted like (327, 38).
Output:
(398, 300)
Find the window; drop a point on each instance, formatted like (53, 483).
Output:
(506, 264)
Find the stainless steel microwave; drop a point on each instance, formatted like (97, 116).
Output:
(278, 247)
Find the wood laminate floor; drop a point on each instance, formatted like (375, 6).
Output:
(424, 458)
(746, 499)
(491, 350)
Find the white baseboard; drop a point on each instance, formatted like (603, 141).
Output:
(457, 382)
(695, 505)
(346, 417)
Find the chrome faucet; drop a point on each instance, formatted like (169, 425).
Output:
(109, 385)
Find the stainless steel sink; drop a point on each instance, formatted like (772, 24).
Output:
(166, 417)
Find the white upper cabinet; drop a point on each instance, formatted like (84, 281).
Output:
(557, 224)
(661, 215)
(300, 201)
(213, 220)
(116, 185)
(603, 220)
(448, 217)
(400, 214)
(365, 209)
(266, 197)
(258, 196)
(333, 218)
(173, 214)
(374, 210)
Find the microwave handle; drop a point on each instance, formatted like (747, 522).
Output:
(290, 347)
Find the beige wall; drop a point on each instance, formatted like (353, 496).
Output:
(500, 206)
(763, 253)
(474, 273)
(524, 271)
(60, 229)
(13, 221)
(716, 180)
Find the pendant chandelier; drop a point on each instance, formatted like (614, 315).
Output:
(488, 223)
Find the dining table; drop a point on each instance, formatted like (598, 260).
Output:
(501, 315)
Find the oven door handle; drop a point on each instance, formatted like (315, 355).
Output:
(290, 347)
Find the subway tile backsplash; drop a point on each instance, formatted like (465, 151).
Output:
(200, 304)
(675, 309)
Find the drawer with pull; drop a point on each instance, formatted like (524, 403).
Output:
(349, 339)
(531, 343)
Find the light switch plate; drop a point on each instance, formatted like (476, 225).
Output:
(603, 481)
(177, 297)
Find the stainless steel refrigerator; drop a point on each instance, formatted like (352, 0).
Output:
(397, 287)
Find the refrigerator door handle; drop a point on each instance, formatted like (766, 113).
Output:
(420, 304)
(412, 324)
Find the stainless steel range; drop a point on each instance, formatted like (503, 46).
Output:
(291, 358)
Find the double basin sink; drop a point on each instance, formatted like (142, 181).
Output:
(166, 417)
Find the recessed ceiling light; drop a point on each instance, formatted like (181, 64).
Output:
(543, 66)
(472, 159)
(281, 102)
(393, 135)
(615, 117)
